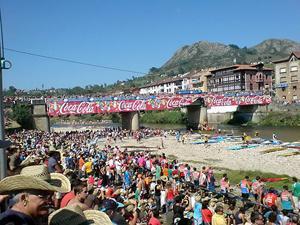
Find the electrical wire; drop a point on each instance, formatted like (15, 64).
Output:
(74, 61)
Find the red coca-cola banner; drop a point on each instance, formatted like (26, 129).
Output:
(57, 108)
(60, 107)
(219, 100)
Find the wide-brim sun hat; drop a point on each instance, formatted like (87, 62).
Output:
(29, 160)
(35, 178)
(73, 215)
(164, 178)
(96, 217)
(198, 198)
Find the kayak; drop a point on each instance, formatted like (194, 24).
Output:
(274, 179)
(240, 147)
(203, 142)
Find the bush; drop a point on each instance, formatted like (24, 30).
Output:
(172, 117)
(281, 119)
(23, 115)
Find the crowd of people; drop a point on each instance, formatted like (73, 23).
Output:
(86, 177)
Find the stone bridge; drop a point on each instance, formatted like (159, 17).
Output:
(129, 107)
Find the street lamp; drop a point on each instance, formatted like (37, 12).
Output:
(4, 64)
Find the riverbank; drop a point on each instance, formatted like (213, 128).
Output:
(262, 158)
(281, 119)
(217, 156)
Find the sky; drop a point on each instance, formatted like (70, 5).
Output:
(132, 35)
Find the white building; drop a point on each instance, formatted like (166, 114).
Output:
(169, 85)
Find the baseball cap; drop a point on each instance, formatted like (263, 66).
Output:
(109, 204)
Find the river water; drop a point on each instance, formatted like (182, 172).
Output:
(286, 134)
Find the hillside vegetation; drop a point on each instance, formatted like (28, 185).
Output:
(200, 55)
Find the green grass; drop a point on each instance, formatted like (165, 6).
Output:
(235, 176)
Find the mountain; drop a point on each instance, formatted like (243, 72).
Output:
(204, 54)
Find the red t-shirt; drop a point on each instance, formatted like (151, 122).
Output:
(66, 199)
(170, 194)
(154, 221)
(206, 215)
(270, 199)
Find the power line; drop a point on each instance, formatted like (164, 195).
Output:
(73, 61)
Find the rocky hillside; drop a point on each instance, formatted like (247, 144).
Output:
(205, 54)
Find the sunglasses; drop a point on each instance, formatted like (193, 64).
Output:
(44, 196)
(41, 195)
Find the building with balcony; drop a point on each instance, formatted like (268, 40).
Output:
(196, 80)
(287, 78)
(236, 78)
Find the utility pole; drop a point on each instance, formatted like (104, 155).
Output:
(3, 156)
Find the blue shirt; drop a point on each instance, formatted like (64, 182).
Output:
(51, 164)
(198, 211)
(12, 217)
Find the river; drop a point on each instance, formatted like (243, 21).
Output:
(286, 134)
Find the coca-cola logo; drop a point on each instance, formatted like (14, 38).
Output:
(178, 102)
(77, 108)
(136, 105)
(223, 101)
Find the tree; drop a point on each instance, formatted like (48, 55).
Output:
(234, 46)
(23, 115)
(180, 70)
(11, 91)
(153, 70)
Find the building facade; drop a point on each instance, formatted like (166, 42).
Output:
(196, 80)
(287, 78)
(167, 86)
(236, 78)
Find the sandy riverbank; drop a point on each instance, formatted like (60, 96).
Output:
(217, 155)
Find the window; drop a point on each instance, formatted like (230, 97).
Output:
(294, 88)
(283, 80)
(294, 68)
(251, 87)
(283, 89)
(294, 79)
(295, 97)
(282, 70)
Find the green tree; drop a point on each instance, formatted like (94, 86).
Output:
(11, 91)
(153, 70)
(234, 46)
(23, 115)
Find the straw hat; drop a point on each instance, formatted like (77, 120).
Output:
(175, 176)
(164, 178)
(130, 208)
(73, 215)
(30, 159)
(198, 198)
(97, 218)
(35, 178)
(206, 199)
